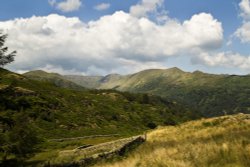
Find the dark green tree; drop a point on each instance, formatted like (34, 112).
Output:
(18, 137)
(145, 99)
(5, 56)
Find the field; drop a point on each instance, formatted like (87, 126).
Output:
(217, 142)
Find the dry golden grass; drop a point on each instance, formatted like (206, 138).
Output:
(217, 142)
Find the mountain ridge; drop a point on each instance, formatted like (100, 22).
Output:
(54, 78)
(211, 93)
(54, 110)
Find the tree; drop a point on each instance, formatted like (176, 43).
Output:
(5, 57)
(151, 125)
(18, 137)
(145, 99)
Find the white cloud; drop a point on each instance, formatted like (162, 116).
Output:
(145, 6)
(67, 5)
(243, 33)
(118, 43)
(245, 9)
(223, 59)
(52, 2)
(59, 70)
(102, 6)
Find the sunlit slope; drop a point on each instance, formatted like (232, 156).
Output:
(213, 95)
(217, 142)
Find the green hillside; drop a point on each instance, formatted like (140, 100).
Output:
(43, 109)
(55, 110)
(85, 81)
(211, 94)
(39, 107)
(54, 78)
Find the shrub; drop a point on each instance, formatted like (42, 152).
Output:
(151, 125)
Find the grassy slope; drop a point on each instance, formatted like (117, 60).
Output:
(86, 81)
(222, 141)
(57, 112)
(55, 78)
(213, 95)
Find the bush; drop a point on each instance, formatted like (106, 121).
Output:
(151, 125)
(19, 139)
(170, 122)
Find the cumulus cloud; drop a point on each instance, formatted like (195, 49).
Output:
(67, 5)
(245, 9)
(102, 6)
(223, 59)
(145, 6)
(243, 32)
(230, 59)
(119, 42)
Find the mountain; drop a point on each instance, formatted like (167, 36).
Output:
(93, 82)
(90, 82)
(54, 78)
(211, 94)
(59, 115)
(61, 112)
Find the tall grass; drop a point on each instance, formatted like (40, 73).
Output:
(219, 142)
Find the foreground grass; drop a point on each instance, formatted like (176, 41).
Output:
(217, 142)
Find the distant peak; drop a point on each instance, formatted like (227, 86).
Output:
(175, 69)
(40, 72)
(198, 72)
(112, 75)
(36, 71)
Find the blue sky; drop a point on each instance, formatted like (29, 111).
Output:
(229, 52)
(227, 11)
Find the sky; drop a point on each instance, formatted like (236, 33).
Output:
(94, 37)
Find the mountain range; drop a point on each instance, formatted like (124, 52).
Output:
(211, 94)
(40, 111)
(56, 111)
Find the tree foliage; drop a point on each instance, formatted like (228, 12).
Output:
(17, 137)
(5, 56)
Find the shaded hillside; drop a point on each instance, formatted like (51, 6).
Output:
(85, 81)
(211, 94)
(217, 142)
(58, 112)
(54, 78)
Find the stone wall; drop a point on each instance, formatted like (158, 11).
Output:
(104, 151)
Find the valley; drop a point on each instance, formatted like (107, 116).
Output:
(211, 94)
(137, 83)
(36, 112)
(62, 113)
